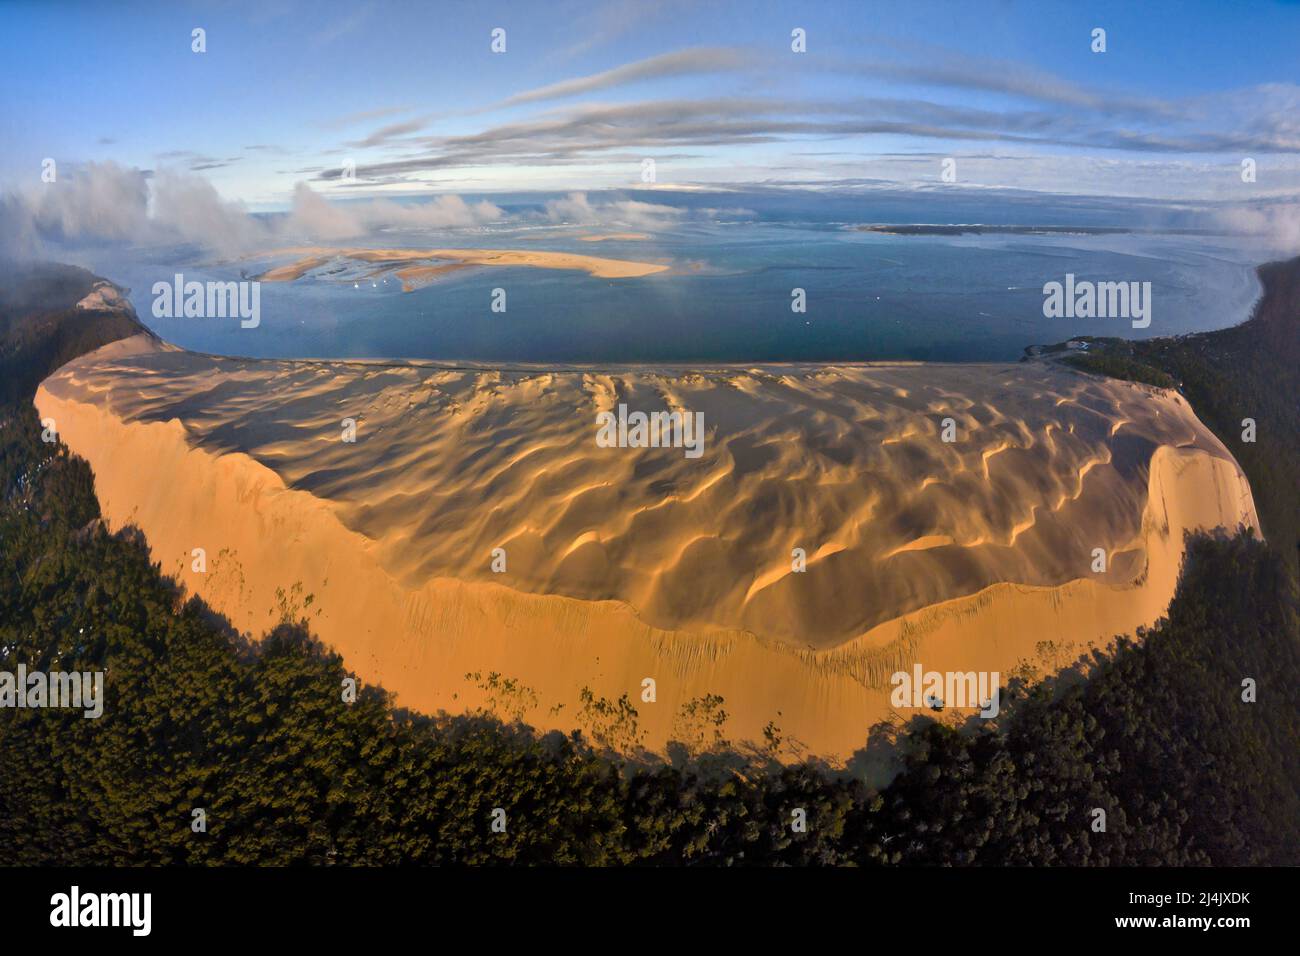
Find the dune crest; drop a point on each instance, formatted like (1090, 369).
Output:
(626, 563)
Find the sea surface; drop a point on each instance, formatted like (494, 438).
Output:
(727, 296)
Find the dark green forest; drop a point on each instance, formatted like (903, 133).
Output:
(41, 328)
(1251, 371)
(1155, 733)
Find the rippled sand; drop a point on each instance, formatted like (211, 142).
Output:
(623, 563)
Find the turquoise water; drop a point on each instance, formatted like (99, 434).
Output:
(727, 296)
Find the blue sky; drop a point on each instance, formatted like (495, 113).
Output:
(411, 93)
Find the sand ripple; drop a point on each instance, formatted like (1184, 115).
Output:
(914, 546)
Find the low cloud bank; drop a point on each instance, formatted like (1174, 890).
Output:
(108, 203)
(318, 218)
(1278, 224)
(99, 203)
(577, 208)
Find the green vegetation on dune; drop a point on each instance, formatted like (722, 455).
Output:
(41, 328)
(1249, 371)
(1155, 733)
(1117, 364)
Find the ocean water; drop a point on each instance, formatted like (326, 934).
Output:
(726, 298)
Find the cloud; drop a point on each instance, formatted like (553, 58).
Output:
(933, 65)
(696, 60)
(105, 202)
(102, 201)
(577, 208)
(201, 165)
(386, 133)
(441, 212)
(189, 207)
(586, 134)
(606, 135)
(351, 119)
(949, 103)
(314, 216)
(615, 19)
(1278, 224)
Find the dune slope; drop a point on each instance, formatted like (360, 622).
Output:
(628, 563)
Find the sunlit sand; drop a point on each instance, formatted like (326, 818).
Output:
(414, 275)
(633, 563)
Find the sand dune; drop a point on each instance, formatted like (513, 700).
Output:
(627, 563)
(619, 236)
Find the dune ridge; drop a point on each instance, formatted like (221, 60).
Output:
(628, 563)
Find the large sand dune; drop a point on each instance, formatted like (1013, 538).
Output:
(627, 563)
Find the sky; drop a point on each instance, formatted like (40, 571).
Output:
(290, 95)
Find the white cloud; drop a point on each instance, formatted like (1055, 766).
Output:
(104, 202)
(188, 206)
(98, 200)
(316, 217)
(1278, 224)
(577, 208)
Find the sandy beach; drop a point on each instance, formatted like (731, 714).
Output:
(422, 264)
(617, 237)
(628, 563)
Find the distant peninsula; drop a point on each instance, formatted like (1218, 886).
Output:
(978, 229)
